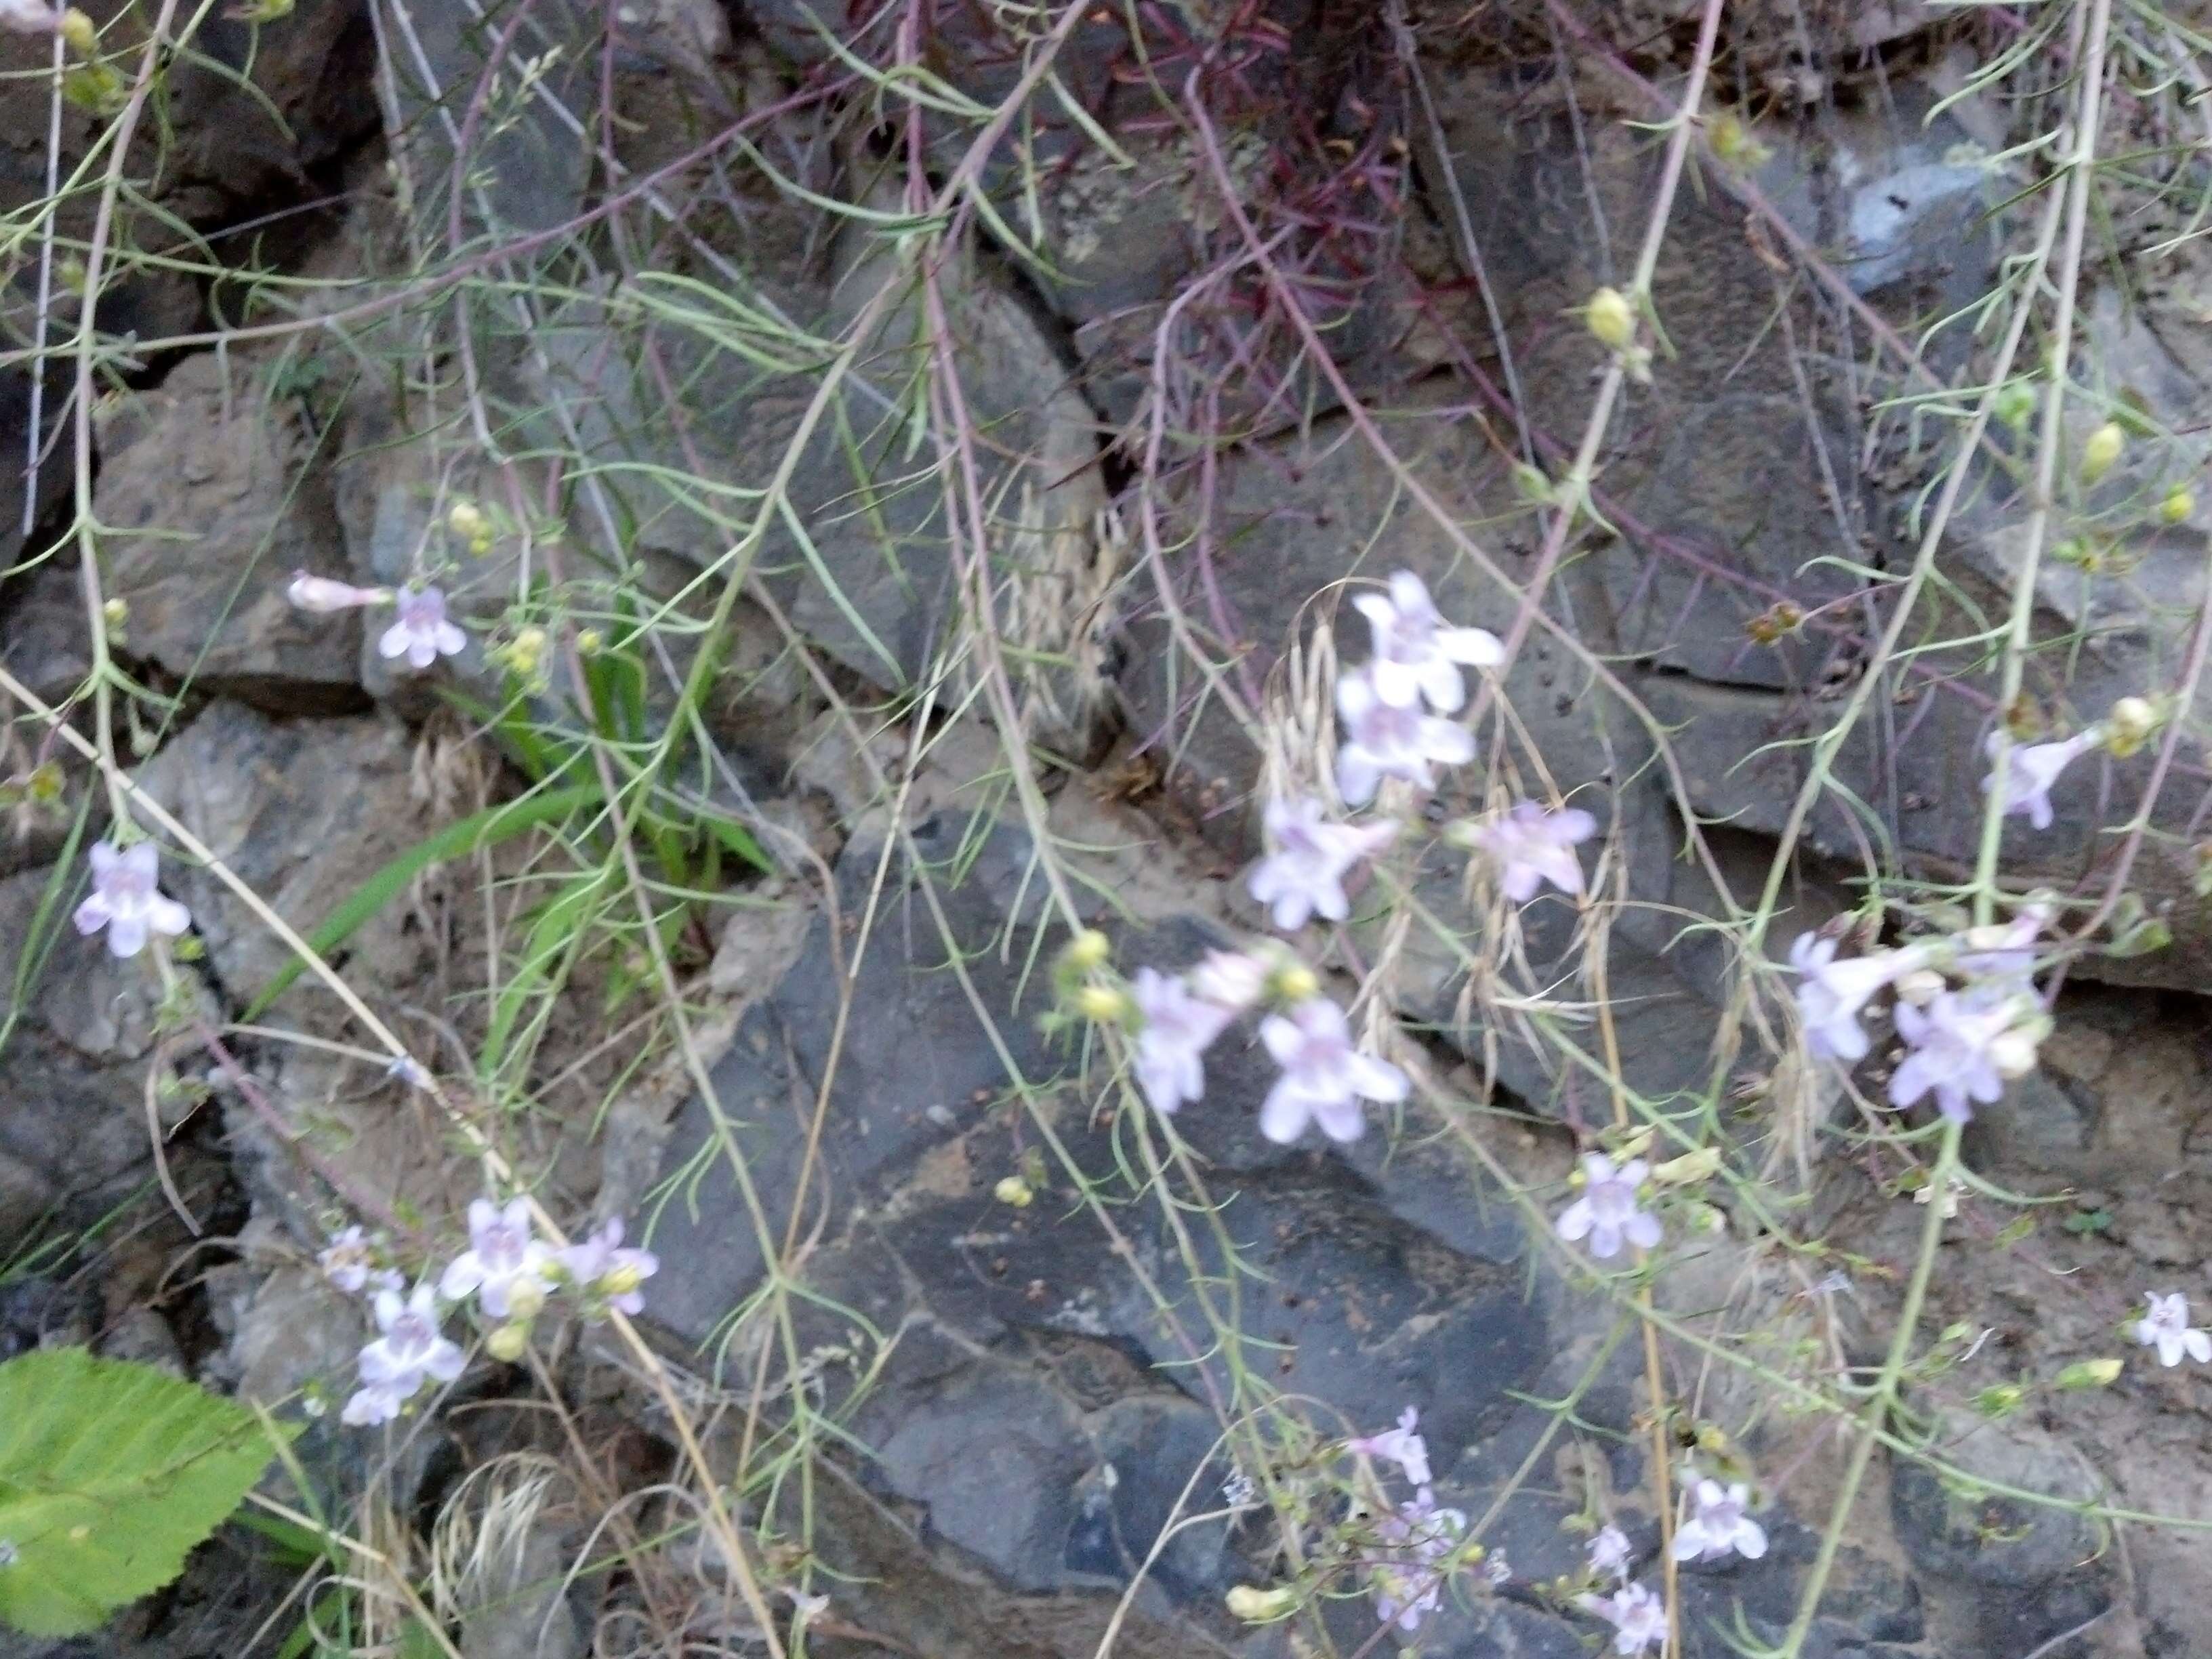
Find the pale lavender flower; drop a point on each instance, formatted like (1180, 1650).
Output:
(1416, 654)
(323, 595)
(1400, 1445)
(1231, 979)
(410, 1353)
(1606, 1213)
(1533, 845)
(1405, 1573)
(502, 1258)
(29, 17)
(1609, 1552)
(125, 900)
(1638, 1616)
(1324, 1077)
(1384, 741)
(601, 1267)
(2165, 1326)
(2031, 768)
(1304, 874)
(2003, 951)
(1831, 993)
(348, 1261)
(1718, 1525)
(1171, 1043)
(1953, 1040)
(422, 635)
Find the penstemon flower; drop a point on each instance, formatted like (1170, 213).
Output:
(2165, 1326)
(1719, 1527)
(422, 635)
(1400, 1445)
(1963, 1044)
(348, 1261)
(1324, 1077)
(1533, 845)
(1831, 994)
(1231, 979)
(29, 17)
(1408, 1582)
(125, 900)
(410, 1352)
(1303, 875)
(2031, 768)
(601, 1268)
(1638, 1616)
(1171, 1043)
(1606, 1213)
(1416, 654)
(503, 1263)
(323, 595)
(1383, 740)
(1609, 1552)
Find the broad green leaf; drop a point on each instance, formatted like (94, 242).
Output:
(110, 1473)
(479, 829)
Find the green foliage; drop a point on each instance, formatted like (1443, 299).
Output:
(110, 1473)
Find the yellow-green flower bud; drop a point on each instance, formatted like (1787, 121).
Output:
(2102, 449)
(1294, 982)
(1611, 318)
(1015, 1191)
(1257, 1607)
(115, 612)
(1088, 950)
(2015, 404)
(509, 1342)
(526, 651)
(1105, 1004)
(526, 1298)
(2087, 1374)
(2176, 507)
(2130, 725)
(80, 31)
(1700, 1165)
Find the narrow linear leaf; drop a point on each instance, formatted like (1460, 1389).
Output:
(471, 834)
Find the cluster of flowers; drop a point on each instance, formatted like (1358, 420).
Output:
(1390, 732)
(1719, 1526)
(1966, 1042)
(1413, 1544)
(508, 1272)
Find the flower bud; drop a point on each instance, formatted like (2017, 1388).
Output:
(1921, 986)
(621, 1280)
(525, 651)
(322, 595)
(509, 1342)
(2015, 404)
(1107, 1004)
(589, 641)
(2087, 1374)
(1700, 1165)
(1015, 1191)
(526, 1298)
(2176, 507)
(1088, 950)
(2013, 1053)
(466, 519)
(44, 785)
(1611, 318)
(80, 31)
(1294, 982)
(1257, 1607)
(1230, 979)
(2000, 1400)
(116, 612)
(2102, 449)
(2130, 725)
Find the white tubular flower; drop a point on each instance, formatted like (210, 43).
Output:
(1416, 654)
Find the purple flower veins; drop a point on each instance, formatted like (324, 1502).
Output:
(410, 1353)
(1606, 1213)
(422, 635)
(1718, 1525)
(2165, 1326)
(1324, 1077)
(1416, 654)
(1383, 740)
(502, 1258)
(125, 900)
(1303, 874)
